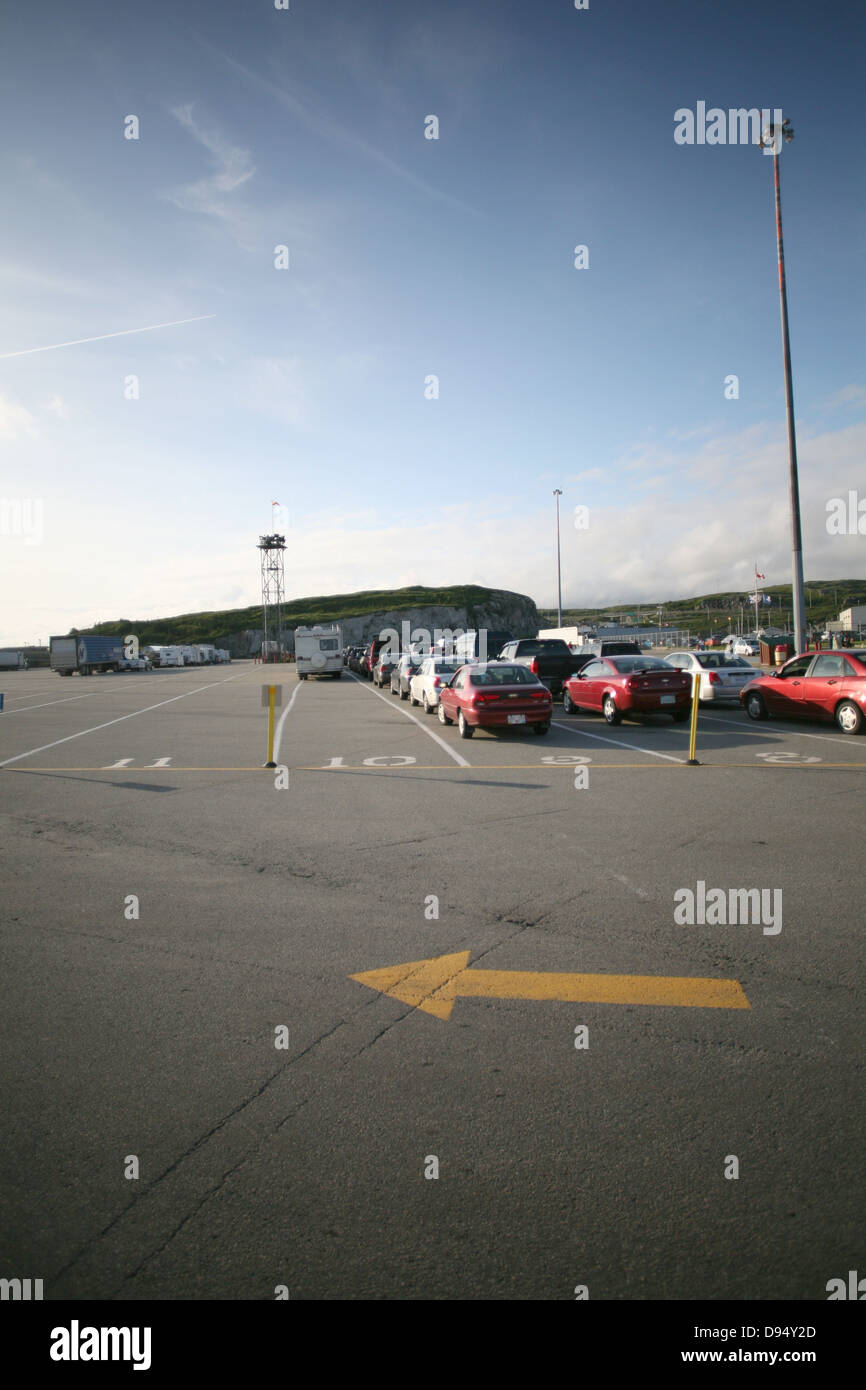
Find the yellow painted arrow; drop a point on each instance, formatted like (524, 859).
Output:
(433, 985)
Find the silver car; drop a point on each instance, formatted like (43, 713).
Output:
(722, 676)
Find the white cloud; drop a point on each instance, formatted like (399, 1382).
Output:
(232, 169)
(16, 421)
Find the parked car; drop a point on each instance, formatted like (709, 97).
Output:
(495, 695)
(628, 685)
(722, 676)
(385, 664)
(745, 646)
(427, 681)
(549, 658)
(830, 686)
(403, 671)
(371, 656)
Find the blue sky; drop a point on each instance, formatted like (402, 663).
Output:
(411, 257)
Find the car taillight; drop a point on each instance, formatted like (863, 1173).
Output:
(480, 699)
(533, 665)
(715, 678)
(539, 695)
(437, 681)
(631, 683)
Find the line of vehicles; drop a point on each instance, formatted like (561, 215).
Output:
(89, 654)
(613, 677)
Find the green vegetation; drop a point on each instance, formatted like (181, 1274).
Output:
(303, 612)
(825, 599)
(709, 613)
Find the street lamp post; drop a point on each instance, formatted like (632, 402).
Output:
(557, 492)
(773, 137)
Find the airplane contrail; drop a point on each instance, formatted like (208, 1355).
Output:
(99, 337)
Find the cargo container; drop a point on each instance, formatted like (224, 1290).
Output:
(85, 653)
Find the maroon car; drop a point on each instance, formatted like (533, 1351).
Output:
(620, 685)
(495, 695)
(816, 685)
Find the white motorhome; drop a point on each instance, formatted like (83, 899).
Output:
(171, 656)
(191, 655)
(319, 652)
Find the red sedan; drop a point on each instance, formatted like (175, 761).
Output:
(620, 685)
(495, 695)
(817, 685)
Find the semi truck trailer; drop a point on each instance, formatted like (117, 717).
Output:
(85, 654)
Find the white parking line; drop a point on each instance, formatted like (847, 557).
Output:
(794, 733)
(461, 761)
(109, 722)
(65, 700)
(282, 719)
(602, 738)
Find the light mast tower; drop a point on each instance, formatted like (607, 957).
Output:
(273, 594)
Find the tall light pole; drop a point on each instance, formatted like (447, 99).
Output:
(772, 137)
(557, 492)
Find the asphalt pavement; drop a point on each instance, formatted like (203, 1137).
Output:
(182, 930)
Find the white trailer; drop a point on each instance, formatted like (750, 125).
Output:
(190, 655)
(12, 659)
(319, 652)
(171, 656)
(574, 636)
(206, 653)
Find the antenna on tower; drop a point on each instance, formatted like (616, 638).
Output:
(273, 592)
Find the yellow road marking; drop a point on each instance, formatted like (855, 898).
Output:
(434, 984)
(447, 767)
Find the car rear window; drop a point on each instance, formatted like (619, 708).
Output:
(545, 644)
(502, 675)
(626, 664)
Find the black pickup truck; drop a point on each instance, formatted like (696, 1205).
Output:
(549, 658)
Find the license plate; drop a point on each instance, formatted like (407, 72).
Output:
(668, 699)
(517, 718)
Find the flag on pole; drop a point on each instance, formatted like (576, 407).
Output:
(759, 576)
(275, 504)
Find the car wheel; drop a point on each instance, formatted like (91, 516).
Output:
(610, 711)
(542, 728)
(680, 716)
(466, 730)
(404, 694)
(425, 703)
(412, 701)
(755, 707)
(567, 704)
(849, 718)
(443, 717)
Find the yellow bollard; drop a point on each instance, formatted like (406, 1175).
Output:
(693, 736)
(272, 691)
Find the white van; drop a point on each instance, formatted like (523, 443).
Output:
(319, 652)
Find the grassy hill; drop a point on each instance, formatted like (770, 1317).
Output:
(709, 612)
(207, 627)
(825, 598)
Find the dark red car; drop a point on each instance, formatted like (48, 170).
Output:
(817, 685)
(621, 685)
(495, 695)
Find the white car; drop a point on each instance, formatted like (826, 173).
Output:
(434, 672)
(745, 646)
(722, 675)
